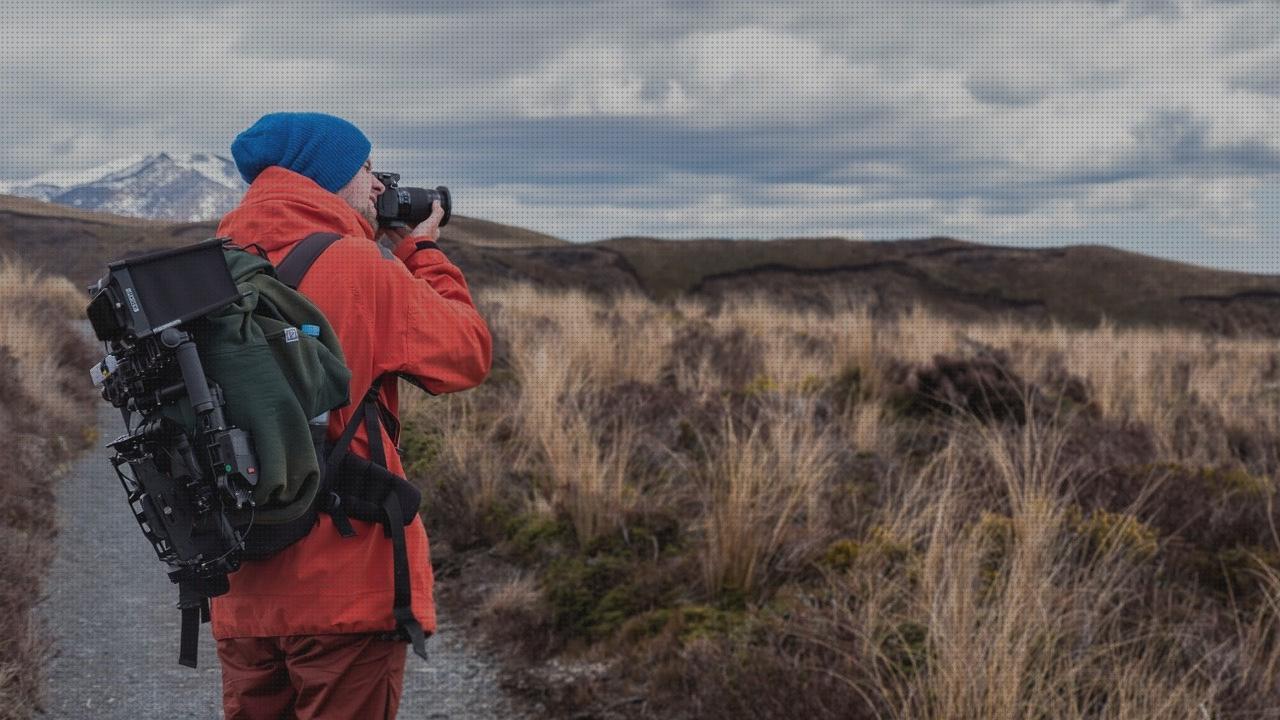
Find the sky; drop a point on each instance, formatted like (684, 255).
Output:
(1149, 125)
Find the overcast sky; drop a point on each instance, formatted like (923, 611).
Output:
(1150, 125)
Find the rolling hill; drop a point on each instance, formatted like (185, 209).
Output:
(1077, 284)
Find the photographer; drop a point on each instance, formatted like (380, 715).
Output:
(308, 632)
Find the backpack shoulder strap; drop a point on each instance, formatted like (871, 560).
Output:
(295, 265)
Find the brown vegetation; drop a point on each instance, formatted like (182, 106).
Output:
(864, 496)
(746, 510)
(43, 364)
(1078, 285)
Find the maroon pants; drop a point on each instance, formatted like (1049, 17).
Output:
(311, 676)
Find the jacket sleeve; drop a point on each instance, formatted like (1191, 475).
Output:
(424, 312)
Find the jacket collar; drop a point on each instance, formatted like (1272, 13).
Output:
(283, 207)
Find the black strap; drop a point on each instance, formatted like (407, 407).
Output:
(369, 411)
(256, 249)
(372, 428)
(295, 265)
(195, 610)
(332, 465)
(344, 441)
(369, 405)
(425, 245)
(393, 520)
(189, 644)
(402, 606)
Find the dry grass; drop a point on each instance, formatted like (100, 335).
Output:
(1036, 635)
(777, 512)
(30, 301)
(43, 364)
(761, 490)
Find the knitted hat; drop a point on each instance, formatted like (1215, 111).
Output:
(325, 148)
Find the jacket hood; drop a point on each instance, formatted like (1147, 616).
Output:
(283, 207)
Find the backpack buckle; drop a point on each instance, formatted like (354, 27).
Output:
(333, 506)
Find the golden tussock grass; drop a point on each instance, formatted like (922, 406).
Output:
(1036, 635)
(43, 377)
(558, 419)
(774, 512)
(761, 486)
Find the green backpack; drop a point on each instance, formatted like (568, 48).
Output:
(274, 378)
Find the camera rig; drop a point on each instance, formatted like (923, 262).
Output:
(190, 475)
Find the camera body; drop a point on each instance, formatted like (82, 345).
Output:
(183, 482)
(409, 205)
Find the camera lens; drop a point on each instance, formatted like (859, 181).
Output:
(410, 205)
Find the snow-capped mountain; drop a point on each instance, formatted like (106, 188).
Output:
(185, 188)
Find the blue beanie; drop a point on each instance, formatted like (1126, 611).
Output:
(325, 148)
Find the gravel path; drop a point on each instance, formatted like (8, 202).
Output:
(110, 609)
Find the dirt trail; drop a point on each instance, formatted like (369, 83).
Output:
(110, 610)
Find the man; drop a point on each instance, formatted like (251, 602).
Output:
(306, 633)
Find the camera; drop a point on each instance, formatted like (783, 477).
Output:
(409, 205)
(185, 479)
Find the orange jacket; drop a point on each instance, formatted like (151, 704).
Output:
(410, 315)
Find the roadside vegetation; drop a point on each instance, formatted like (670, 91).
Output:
(44, 383)
(747, 510)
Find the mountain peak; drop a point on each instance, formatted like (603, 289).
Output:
(162, 186)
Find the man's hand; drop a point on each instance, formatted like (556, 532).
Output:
(427, 230)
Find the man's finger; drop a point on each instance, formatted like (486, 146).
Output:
(430, 228)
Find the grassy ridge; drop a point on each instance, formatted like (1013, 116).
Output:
(43, 365)
(749, 510)
(1077, 285)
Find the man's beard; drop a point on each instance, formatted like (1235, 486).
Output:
(370, 213)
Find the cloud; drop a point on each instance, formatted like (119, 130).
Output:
(1006, 121)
